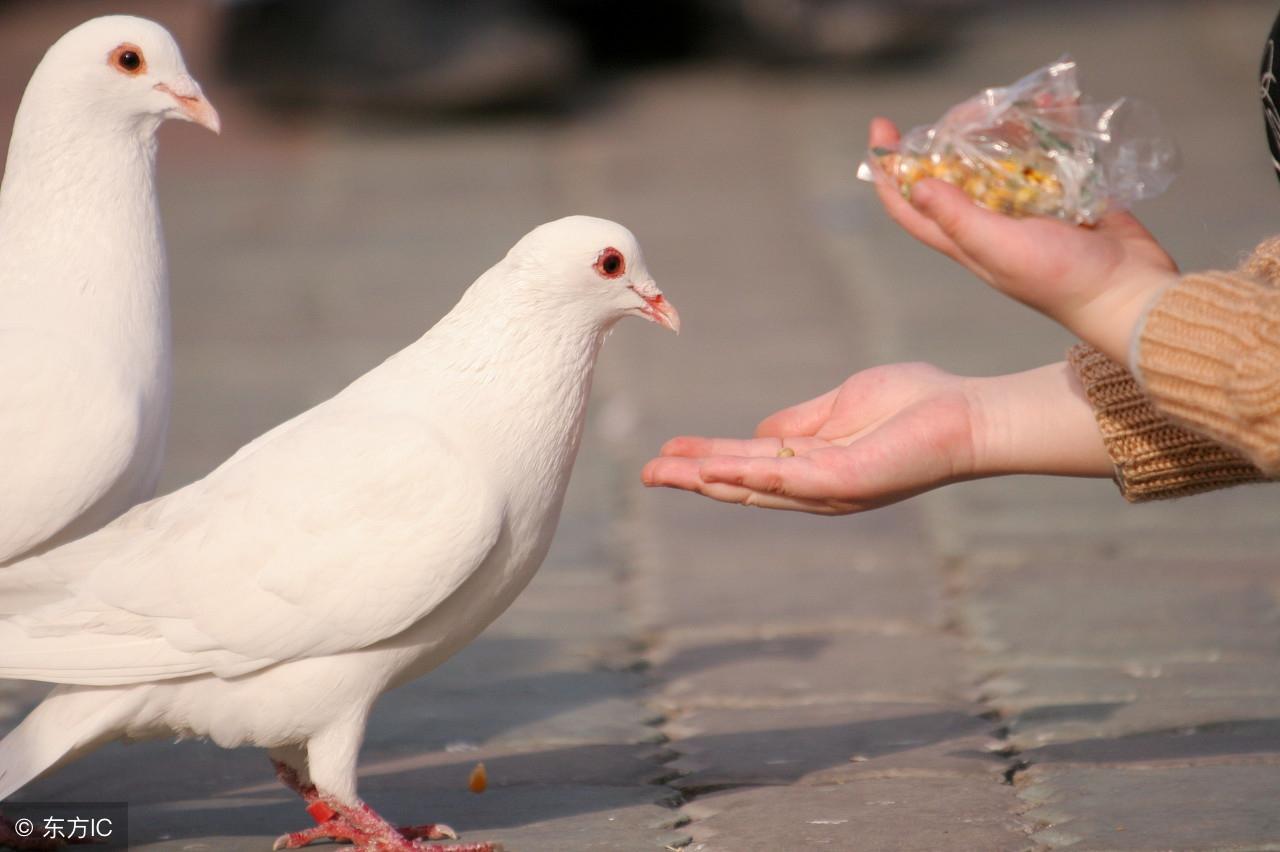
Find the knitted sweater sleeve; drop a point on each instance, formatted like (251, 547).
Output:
(1154, 458)
(1208, 355)
(1206, 414)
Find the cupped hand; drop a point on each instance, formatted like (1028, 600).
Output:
(885, 434)
(1095, 280)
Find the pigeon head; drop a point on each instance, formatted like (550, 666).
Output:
(123, 72)
(595, 265)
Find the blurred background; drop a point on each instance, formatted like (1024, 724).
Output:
(378, 155)
(440, 114)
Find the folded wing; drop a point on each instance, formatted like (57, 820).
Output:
(322, 540)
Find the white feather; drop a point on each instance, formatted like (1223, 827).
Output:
(84, 310)
(349, 549)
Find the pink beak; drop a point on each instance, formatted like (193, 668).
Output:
(192, 102)
(659, 310)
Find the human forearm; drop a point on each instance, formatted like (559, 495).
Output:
(1036, 422)
(890, 432)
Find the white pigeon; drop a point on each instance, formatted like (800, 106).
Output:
(84, 294)
(345, 552)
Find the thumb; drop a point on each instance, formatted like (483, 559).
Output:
(974, 229)
(803, 419)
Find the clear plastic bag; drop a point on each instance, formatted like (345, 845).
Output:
(1038, 148)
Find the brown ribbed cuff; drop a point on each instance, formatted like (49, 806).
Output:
(1209, 354)
(1155, 459)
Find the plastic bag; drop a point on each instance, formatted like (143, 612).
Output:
(1038, 148)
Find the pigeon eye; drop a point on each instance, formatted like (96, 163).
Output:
(127, 58)
(611, 263)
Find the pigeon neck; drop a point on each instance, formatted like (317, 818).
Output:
(77, 164)
(502, 328)
(81, 248)
(523, 368)
(78, 201)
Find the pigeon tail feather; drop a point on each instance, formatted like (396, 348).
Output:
(70, 721)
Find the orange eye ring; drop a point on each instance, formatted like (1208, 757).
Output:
(611, 263)
(128, 60)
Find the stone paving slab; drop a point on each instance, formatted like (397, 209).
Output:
(1059, 704)
(788, 570)
(829, 743)
(1070, 518)
(499, 657)
(154, 772)
(1190, 809)
(1016, 687)
(525, 819)
(606, 765)
(794, 668)
(1238, 741)
(573, 608)
(1127, 610)
(565, 708)
(870, 815)
(1059, 723)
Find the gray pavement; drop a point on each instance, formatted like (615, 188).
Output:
(1009, 665)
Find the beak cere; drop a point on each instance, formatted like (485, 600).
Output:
(656, 307)
(193, 104)
(659, 310)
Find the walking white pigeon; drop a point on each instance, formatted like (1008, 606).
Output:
(345, 552)
(84, 301)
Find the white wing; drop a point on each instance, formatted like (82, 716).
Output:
(67, 435)
(314, 541)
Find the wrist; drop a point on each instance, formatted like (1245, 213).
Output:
(1111, 321)
(1035, 422)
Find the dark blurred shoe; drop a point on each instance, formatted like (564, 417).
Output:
(399, 54)
(840, 31)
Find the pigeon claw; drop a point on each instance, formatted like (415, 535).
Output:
(428, 831)
(361, 826)
(410, 840)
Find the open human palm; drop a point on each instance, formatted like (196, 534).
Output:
(883, 435)
(891, 432)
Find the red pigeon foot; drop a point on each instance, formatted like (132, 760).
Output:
(362, 825)
(369, 832)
